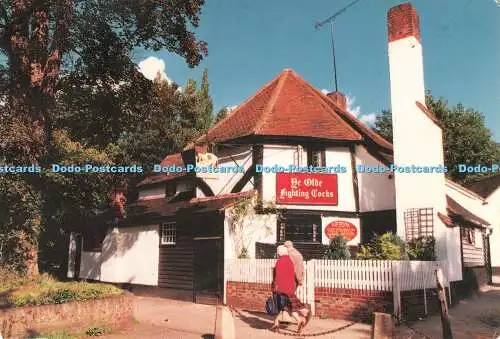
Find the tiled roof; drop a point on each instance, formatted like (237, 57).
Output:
(286, 106)
(457, 210)
(153, 210)
(485, 186)
(173, 159)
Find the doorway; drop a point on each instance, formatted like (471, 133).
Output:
(208, 269)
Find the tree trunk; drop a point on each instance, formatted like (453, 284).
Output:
(30, 248)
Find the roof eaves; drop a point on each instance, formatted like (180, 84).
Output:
(429, 114)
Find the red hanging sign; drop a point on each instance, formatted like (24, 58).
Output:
(307, 189)
(343, 228)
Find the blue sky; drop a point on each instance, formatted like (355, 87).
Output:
(250, 42)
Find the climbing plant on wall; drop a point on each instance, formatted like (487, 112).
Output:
(250, 220)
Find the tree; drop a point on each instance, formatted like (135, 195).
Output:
(466, 138)
(338, 249)
(61, 47)
(222, 114)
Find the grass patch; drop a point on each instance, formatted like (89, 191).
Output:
(60, 335)
(491, 318)
(98, 331)
(17, 291)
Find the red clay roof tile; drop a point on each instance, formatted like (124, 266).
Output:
(286, 106)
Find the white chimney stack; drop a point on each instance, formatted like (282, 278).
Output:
(417, 139)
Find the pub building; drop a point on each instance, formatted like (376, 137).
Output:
(178, 232)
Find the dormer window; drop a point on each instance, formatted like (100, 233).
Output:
(316, 157)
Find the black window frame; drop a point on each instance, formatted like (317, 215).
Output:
(316, 156)
(286, 225)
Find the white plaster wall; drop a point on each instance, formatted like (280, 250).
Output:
(90, 265)
(418, 141)
(222, 183)
(377, 190)
(131, 255)
(152, 192)
(355, 221)
(257, 228)
(494, 212)
(284, 156)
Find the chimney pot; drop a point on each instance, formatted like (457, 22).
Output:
(402, 22)
(339, 98)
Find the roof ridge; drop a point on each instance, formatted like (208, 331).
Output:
(270, 105)
(344, 113)
(322, 96)
(238, 108)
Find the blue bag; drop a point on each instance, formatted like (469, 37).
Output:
(272, 306)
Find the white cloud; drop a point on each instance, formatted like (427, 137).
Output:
(325, 91)
(151, 66)
(355, 110)
(351, 108)
(232, 108)
(369, 118)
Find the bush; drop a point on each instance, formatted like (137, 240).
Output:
(338, 249)
(387, 246)
(422, 248)
(44, 290)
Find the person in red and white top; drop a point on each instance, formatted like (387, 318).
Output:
(284, 287)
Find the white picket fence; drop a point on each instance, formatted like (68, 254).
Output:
(367, 275)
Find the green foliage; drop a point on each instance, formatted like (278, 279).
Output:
(45, 290)
(466, 138)
(387, 246)
(98, 331)
(338, 249)
(243, 254)
(74, 96)
(222, 114)
(422, 248)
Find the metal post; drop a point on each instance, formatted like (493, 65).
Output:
(334, 60)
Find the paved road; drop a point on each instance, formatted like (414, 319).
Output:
(169, 319)
(255, 325)
(477, 318)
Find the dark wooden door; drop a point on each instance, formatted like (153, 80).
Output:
(208, 264)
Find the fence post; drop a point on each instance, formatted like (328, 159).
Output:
(396, 288)
(311, 271)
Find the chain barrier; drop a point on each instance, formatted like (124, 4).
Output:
(317, 334)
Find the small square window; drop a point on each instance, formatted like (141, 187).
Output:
(316, 157)
(168, 233)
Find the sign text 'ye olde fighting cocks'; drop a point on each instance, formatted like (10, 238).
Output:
(306, 189)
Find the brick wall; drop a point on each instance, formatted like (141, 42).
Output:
(248, 296)
(356, 305)
(338, 303)
(75, 316)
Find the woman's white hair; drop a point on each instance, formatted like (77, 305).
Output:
(282, 250)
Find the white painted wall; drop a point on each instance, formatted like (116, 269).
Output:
(283, 155)
(355, 221)
(494, 213)
(257, 228)
(377, 190)
(90, 265)
(130, 255)
(222, 183)
(418, 141)
(152, 192)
